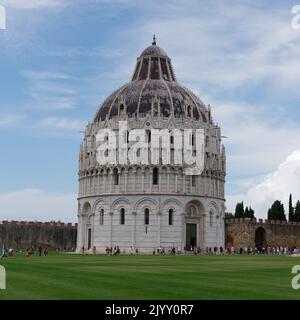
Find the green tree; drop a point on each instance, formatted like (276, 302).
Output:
(229, 215)
(246, 213)
(251, 213)
(276, 212)
(297, 211)
(291, 209)
(239, 210)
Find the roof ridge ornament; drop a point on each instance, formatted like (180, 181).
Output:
(154, 40)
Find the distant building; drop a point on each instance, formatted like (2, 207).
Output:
(150, 206)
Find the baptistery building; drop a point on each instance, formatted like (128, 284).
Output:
(149, 206)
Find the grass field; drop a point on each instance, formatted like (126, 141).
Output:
(65, 276)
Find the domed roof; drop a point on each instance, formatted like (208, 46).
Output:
(154, 50)
(153, 84)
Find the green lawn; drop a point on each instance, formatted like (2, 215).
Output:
(66, 276)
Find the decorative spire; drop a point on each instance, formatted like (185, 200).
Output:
(154, 40)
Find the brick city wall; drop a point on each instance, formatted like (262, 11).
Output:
(251, 232)
(23, 234)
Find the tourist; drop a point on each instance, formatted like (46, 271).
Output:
(29, 252)
(4, 254)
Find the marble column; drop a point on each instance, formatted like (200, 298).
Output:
(183, 233)
(159, 214)
(110, 229)
(143, 179)
(133, 229)
(202, 231)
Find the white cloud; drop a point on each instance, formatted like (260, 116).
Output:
(11, 120)
(49, 90)
(44, 75)
(226, 46)
(275, 186)
(62, 123)
(37, 204)
(259, 136)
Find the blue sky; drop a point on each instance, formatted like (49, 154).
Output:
(61, 58)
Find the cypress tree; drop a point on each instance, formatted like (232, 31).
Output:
(270, 214)
(276, 212)
(297, 211)
(239, 210)
(251, 213)
(291, 210)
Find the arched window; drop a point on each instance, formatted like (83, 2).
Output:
(193, 139)
(147, 216)
(86, 209)
(171, 139)
(191, 211)
(121, 110)
(155, 109)
(116, 176)
(155, 176)
(210, 219)
(148, 132)
(101, 219)
(170, 217)
(122, 216)
(189, 111)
